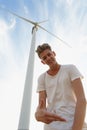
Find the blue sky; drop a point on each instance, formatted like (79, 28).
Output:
(67, 19)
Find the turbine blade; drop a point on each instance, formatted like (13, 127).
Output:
(27, 20)
(42, 21)
(54, 35)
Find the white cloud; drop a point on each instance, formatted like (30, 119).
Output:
(26, 9)
(11, 79)
(69, 2)
(7, 56)
(3, 27)
(12, 23)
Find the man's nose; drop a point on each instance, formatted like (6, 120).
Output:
(48, 57)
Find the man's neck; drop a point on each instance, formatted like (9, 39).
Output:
(54, 69)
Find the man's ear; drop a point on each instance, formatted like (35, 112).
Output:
(42, 62)
(54, 53)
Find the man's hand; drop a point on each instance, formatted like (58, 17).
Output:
(46, 117)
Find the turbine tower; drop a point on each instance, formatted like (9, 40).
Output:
(24, 119)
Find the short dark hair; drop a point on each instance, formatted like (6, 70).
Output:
(43, 47)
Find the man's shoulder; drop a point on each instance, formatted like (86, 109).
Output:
(42, 75)
(68, 66)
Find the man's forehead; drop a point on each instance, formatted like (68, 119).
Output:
(45, 52)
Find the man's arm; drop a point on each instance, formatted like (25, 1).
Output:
(80, 104)
(42, 114)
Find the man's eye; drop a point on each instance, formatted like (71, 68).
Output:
(49, 54)
(44, 58)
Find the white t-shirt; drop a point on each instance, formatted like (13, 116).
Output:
(60, 95)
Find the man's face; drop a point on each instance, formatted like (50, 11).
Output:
(48, 57)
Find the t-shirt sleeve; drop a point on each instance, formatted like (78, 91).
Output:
(41, 83)
(75, 73)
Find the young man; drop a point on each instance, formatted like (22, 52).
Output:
(62, 103)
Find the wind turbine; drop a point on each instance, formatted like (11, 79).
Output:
(24, 119)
